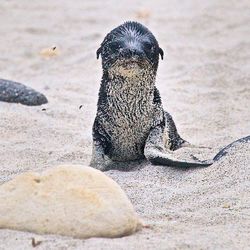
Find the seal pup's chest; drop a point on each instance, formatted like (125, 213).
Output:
(131, 106)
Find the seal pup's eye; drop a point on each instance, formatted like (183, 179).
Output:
(114, 46)
(148, 46)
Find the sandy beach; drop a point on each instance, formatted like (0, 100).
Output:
(204, 81)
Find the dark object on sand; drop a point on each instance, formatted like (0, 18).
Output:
(226, 150)
(18, 93)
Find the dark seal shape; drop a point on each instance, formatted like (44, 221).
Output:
(231, 146)
(131, 123)
(18, 93)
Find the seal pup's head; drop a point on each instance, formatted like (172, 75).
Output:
(129, 49)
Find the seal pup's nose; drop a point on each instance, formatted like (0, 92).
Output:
(132, 51)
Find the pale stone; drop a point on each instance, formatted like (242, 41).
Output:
(50, 52)
(69, 200)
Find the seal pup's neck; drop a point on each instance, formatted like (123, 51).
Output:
(127, 93)
(131, 85)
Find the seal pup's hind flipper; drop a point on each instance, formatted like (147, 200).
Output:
(165, 159)
(156, 153)
(159, 156)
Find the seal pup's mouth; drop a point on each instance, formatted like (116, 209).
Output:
(129, 67)
(129, 63)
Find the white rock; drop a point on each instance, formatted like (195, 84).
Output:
(69, 200)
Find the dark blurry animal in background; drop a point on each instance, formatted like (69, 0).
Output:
(18, 93)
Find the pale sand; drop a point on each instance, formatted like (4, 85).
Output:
(204, 83)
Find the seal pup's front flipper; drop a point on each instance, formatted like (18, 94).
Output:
(101, 146)
(157, 154)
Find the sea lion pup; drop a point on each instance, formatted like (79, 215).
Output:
(131, 123)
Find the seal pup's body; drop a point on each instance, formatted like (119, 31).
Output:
(131, 123)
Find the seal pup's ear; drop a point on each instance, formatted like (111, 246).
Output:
(161, 52)
(98, 52)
